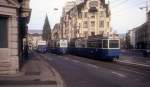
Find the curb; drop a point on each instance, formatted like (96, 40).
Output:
(58, 78)
(142, 66)
(60, 82)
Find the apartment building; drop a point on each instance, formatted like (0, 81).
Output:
(88, 18)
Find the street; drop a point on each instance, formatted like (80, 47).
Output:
(83, 72)
(39, 44)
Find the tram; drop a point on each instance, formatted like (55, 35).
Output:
(100, 48)
(58, 46)
(42, 46)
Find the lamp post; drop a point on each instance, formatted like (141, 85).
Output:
(146, 9)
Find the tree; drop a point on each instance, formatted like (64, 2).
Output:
(46, 35)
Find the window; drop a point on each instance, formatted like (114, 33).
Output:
(80, 15)
(100, 44)
(107, 24)
(105, 43)
(3, 32)
(101, 24)
(85, 14)
(93, 4)
(102, 14)
(93, 15)
(85, 34)
(92, 24)
(72, 44)
(113, 44)
(92, 44)
(92, 33)
(85, 24)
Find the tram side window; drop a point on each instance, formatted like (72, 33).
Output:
(72, 45)
(114, 44)
(57, 44)
(63, 44)
(100, 44)
(92, 44)
(105, 43)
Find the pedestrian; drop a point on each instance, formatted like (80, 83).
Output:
(26, 52)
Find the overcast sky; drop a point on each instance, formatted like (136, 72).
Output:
(125, 14)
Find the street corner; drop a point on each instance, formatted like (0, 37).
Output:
(48, 72)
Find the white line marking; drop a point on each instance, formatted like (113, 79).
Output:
(119, 74)
(91, 65)
(76, 61)
(134, 63)
(66, 58)
(132, 71)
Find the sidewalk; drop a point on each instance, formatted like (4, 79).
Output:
(33, 74)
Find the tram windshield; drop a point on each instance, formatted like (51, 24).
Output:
(113, 43)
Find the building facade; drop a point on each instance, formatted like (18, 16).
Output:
(69, 5)
(142, 34)
(56, 32)
(130, 39)
(88, 18)
(142, 37)
(33, 39)
(14, 16)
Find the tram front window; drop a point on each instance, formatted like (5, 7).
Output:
(113, 43)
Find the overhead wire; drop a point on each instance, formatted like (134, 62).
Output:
(119, 4)
(128, 8)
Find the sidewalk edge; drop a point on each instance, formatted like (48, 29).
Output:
(60, 82)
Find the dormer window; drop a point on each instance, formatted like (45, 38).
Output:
(93, 4)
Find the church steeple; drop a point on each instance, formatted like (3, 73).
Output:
(46, 30)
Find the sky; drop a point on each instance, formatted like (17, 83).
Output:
(125, 14)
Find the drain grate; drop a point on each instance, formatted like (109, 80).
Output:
(33, 82)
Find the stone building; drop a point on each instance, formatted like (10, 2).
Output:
(88, 18)
(14, 16)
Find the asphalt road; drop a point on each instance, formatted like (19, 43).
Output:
(83, 72)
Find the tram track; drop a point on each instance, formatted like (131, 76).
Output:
(110, 65)
(77, 70)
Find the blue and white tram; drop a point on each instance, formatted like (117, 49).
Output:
(59, 46)
(102, 48)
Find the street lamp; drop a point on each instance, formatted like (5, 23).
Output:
(146, 9)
